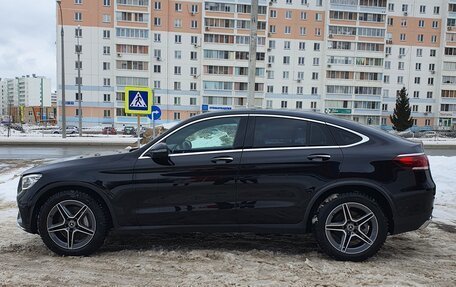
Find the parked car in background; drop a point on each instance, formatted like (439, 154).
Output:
(239, 171)
(69, 130)
(129, 130)
(109, 131)
(430, 134)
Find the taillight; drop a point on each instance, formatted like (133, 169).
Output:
(414, 161)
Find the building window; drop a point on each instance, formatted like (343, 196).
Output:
(193, 101)
(178, 7)
(107, 82)
(313, 105)
(177, 101)
(106, 97)
(78, 96)
(106, 50)
(78, 80)
(422, 9)
(106, 18)
(192, 86)
(157, 69)
(77, 16)
(177, 70)
(177, 86)
(157, 5)
(77, 2)
(178, 39)
(298, 105)
(177, 116)
(78, 65)
(78, 32)
(436, 10)
(106, 34)
(314, 91)
(106, 66)
(283, 104)
(177, 23)
(157, 85)
(106, 2)
(107, 113)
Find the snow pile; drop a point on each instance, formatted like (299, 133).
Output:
(443, 173)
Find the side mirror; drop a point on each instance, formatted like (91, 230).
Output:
(160, 154)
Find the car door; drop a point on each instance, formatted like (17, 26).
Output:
(196, 186)
(285, 160)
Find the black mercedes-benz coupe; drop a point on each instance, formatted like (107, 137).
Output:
(238, 171)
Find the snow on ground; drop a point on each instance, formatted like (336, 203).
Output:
(421, 258)
(443, 171)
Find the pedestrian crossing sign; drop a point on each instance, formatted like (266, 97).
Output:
(138, 100)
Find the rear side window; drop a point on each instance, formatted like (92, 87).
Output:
(282, 132)
(344, 137)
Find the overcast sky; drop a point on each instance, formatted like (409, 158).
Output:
(27, 38)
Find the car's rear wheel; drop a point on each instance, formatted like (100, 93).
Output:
(72, 223)
(351, 227)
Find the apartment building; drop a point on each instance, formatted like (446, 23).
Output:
(24, 97)
(343, 57)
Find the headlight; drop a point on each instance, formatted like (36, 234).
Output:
(29, 180)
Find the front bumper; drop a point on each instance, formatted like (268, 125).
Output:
(23, 219)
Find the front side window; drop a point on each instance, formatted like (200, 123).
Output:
(273, 132)
(208, 135)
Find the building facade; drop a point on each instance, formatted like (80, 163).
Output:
(343, 57)
(24, 97)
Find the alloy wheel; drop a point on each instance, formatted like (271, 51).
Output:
(71, 224)
(351, 228)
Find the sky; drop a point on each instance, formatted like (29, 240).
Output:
(27, 38)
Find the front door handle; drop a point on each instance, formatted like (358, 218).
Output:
(319, 157)
(222, 159)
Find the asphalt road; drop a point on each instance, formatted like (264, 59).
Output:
(42, 152)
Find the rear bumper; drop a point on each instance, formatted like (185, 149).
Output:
(413, 210)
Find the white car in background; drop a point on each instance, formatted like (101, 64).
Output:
(69, 130)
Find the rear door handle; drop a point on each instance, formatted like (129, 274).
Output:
(319, 157)
(222, 159)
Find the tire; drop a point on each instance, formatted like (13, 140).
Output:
(72, 223)
(363, 231)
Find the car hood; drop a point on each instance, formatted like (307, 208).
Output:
(89, 160)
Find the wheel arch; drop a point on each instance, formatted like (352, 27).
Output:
(52, 189)
(367, 188)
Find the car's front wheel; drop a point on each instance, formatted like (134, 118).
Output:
(72, 223)
(351, 227)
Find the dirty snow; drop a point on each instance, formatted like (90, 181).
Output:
(421, 258)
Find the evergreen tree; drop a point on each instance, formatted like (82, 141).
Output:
(401, 118)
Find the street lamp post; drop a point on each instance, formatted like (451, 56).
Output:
(79, 82)
(59, 2)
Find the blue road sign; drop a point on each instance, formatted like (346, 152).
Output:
(139, 100)
(156, 113)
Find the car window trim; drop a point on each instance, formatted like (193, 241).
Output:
(186, 125)
(364, 138)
